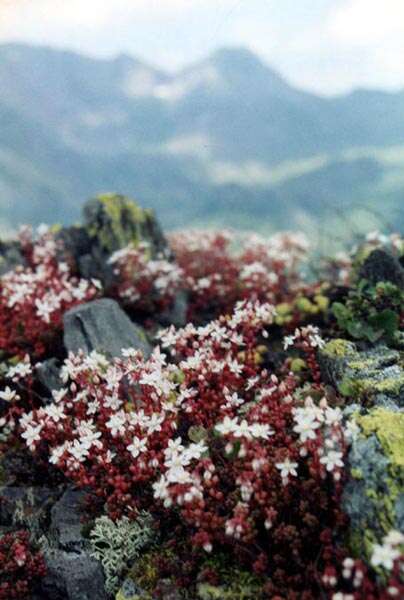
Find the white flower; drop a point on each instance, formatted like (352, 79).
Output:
(8, 395)
(160, 488)
(154, 423)
(351, 430)
(21, 370)
(332, 460)
(261, 430)
(57, 453)
(44, 310)
(232, 399)
(235, 367)
(130, 352)
(116, 423)
(394, 538)
(288, 340)
(226, 426)
(112, 402)
(174, 447)
(31, 435)
(333, 416)
(78, 451)
(137, 446)
(58, 395)
(243, 429)
(306, 426)
(93, 407)
(384, 556)
(55, 412)
(178, 475)
(287, 467)
(195, 451)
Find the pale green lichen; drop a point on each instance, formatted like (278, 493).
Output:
(117, 544)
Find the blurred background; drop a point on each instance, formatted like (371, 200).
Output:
(254, 114)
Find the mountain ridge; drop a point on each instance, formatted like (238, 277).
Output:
(227, 122)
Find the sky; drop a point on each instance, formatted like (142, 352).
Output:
(325, 46)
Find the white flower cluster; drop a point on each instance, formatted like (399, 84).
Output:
(313, 420)
(309, 333)
(391, 548)
(47, 285)
(162, 275)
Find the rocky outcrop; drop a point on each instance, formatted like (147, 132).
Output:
(372, 381)
(111, 222)
(374, 496)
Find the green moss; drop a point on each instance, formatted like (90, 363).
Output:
(297, 365)
(356, 474)
(240, 585)
(388, 426)
(339, 348)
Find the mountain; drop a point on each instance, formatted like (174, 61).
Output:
(225, 141)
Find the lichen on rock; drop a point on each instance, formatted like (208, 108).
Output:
(374, 496)
(114, 221)
(371, 376)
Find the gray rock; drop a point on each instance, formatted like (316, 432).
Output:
(72, 576)
(48, 373)
(103, 326)
(130, 590)
(177, 314)
(10, 256)
(380, 265)
(75, 243)
(26, 505)
(66, 526)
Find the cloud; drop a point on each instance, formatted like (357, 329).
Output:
(364, 22)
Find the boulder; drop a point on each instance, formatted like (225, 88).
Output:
(103, 326)
(380, 265)
(374, 496)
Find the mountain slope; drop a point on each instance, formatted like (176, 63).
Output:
(226, 136)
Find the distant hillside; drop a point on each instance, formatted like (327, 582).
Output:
(226, 140)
